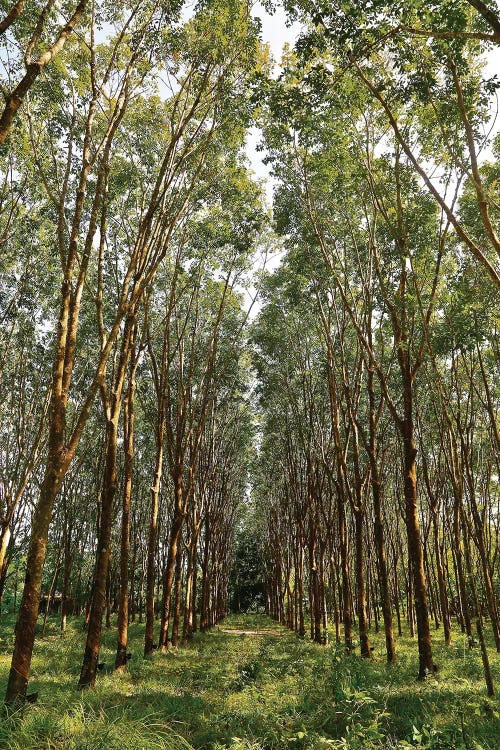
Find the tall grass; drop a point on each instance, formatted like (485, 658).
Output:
(244, 692)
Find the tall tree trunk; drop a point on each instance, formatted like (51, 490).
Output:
(132, 606)
(194, 605)
(344, 564)
(151, 552)
(91, 654)
(112, 407)
(378, 525)
(28, 610)
(5, 537)
(128, 448)
(187, 625)
(458, 548)
(426, 665)
(364, 639)
(479, 620)
(177, 597)
(487, 582)
(299, 572)
(445, 612)
(168, 578)
(205, 578)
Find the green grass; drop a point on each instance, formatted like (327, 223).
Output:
(251, 693)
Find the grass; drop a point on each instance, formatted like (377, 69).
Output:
(242, 692)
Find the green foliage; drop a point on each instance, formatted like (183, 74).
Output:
(246, 586)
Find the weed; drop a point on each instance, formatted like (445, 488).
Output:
(263, 692)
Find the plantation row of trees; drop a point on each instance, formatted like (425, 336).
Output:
(128, 225)
(128, 222)
(377, 346)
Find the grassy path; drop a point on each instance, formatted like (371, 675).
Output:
(250, 685)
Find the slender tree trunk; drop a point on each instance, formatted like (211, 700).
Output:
(132, 607)
(205, 579)
(187, 625)
(334, 595)
(168, 579)
(487, 582)
(479, 620)
(364, 639)
(397, 598)
(378, 527)
(344, 564)
(194, 605)
(91, 654)
(65, 589)
(187, 622)
(5, 537)
(300, 583)
(108, 599)
(151, 553)
(462, 588)
(177, 597)
(50, 593)
(112, 406)
(324, 609)
(445, 612)
(128, 447)
(414, 545)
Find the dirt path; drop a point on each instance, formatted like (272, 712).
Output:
(234, 631)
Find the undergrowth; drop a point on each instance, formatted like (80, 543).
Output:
(243, 692)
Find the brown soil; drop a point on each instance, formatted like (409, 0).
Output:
(232, 631)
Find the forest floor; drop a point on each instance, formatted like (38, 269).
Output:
(251, 691)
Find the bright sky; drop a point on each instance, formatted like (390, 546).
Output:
(274, 29)
(275, 33)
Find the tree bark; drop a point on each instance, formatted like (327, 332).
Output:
(168, 578)
(28, 610)
(426, 665)
(344, 563)
(364, 639)
(177, 597)
(128, 447)
(151, 552)
(16, 10)
(91, 654)
(14, 100)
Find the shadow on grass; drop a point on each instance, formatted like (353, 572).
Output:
(246, 693)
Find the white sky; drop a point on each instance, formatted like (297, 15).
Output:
(275, 33)
(274, 28)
